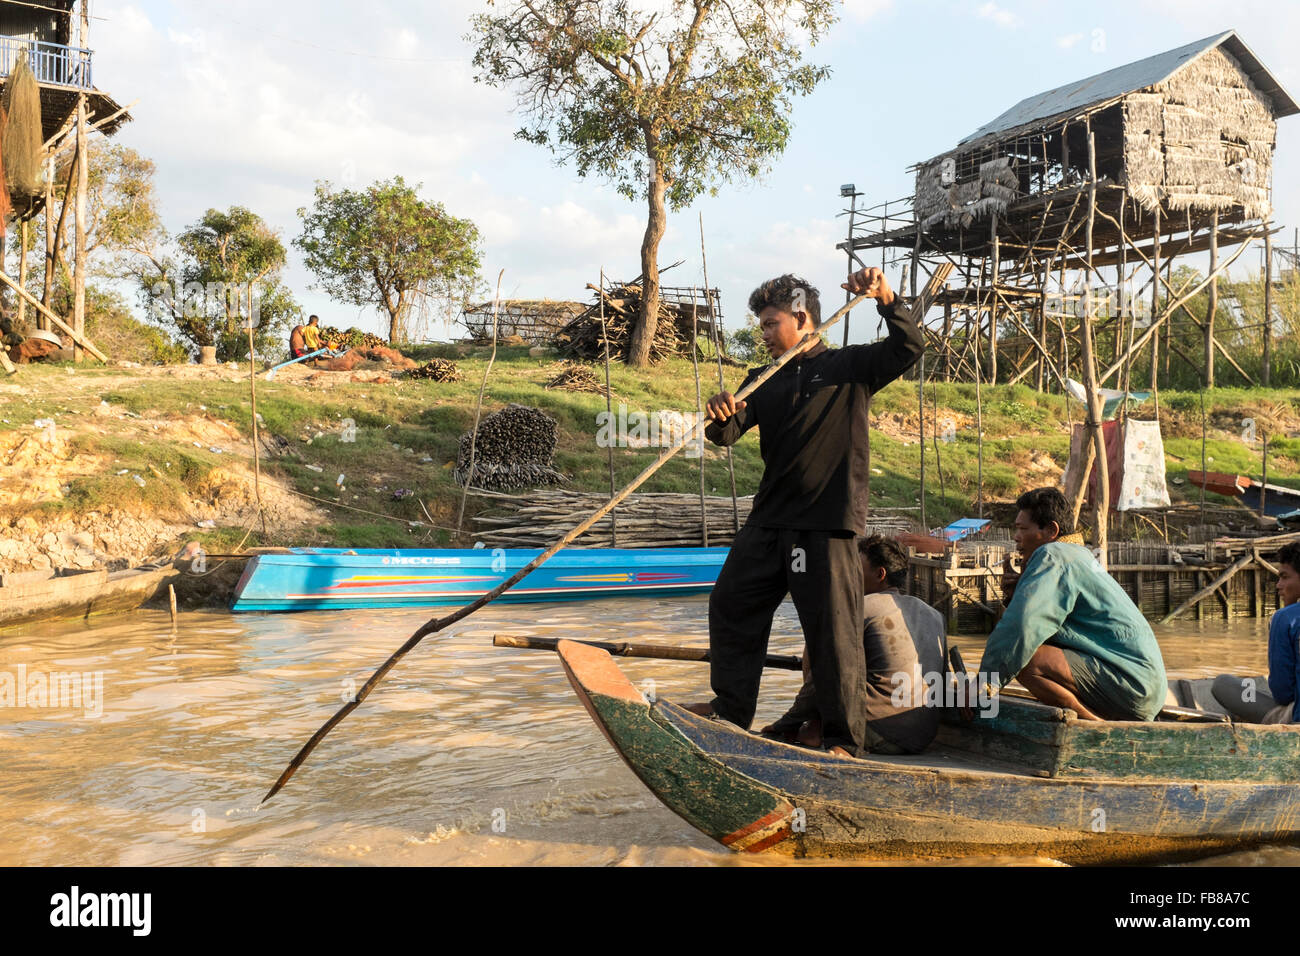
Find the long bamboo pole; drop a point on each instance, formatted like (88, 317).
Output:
(788, 662)
(434, 625)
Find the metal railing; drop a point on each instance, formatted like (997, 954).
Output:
(52, 63)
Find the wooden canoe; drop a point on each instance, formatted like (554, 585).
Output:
(34, 597)
(1031, 781)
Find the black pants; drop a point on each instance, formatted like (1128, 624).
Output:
(822, 573)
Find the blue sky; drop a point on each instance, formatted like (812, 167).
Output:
(250, 103)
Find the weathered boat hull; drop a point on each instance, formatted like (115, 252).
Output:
(80, 595)
(753, 794)
(319, 578)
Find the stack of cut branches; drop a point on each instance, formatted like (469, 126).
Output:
(514, 449)
(575, 377)
(583, 338)
(438, 370)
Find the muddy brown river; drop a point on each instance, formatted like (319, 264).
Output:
(466, 754)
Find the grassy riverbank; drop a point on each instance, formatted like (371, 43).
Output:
(170, 448)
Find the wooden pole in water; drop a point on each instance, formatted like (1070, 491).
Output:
(434, 625)
(171, 599)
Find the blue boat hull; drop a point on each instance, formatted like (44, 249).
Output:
(318, 578)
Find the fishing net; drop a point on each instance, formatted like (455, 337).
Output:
(6, 207)
(21, 149)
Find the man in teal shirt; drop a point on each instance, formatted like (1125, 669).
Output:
(1070, 634)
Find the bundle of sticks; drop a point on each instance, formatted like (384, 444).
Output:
(664, 520)
(575, 377)
(514, 449)
(438, 370)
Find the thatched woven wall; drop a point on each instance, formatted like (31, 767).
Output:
(960, 204)
(1218, 134)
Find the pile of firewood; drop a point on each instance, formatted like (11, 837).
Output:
(575, 377)
(582, 337)
(437, 370)
(514, 449)
(655, 520)
(350, 338)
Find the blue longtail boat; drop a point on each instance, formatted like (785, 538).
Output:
(317, 578)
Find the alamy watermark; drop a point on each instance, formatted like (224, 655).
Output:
(660, 429)
(934, 689)
(194, 299)
(56, 690)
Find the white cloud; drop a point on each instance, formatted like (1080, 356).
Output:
(999, 15)
(864, 10)
(1069, 40)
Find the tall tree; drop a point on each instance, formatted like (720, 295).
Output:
(386, 247)
(663, 104)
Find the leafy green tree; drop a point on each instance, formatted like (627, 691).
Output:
(208, 281)
(122, 217)
(384, 246)
(663, 104)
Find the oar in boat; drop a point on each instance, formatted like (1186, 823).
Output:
(662, 652)
(433, 625)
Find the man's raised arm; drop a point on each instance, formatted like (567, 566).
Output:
(878, 364)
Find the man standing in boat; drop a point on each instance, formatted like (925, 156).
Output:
(1070, 634)
(810, 506)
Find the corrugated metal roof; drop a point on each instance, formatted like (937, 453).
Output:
(1079, 95)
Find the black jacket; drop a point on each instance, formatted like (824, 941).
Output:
(812, 418)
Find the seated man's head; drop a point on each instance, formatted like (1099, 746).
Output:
(787, 308)
(884, 564)
(1042, 515)
(1288, 574)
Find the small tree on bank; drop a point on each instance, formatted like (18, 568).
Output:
(383, 246)
(207, 281)
(664, 105)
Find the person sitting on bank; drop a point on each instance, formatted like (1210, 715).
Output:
(1277, 705)
(311, 334)
(1070, 634)
(297, 344)
(904, 640)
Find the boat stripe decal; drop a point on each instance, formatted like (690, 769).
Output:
(762, 833)
(474, 594)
